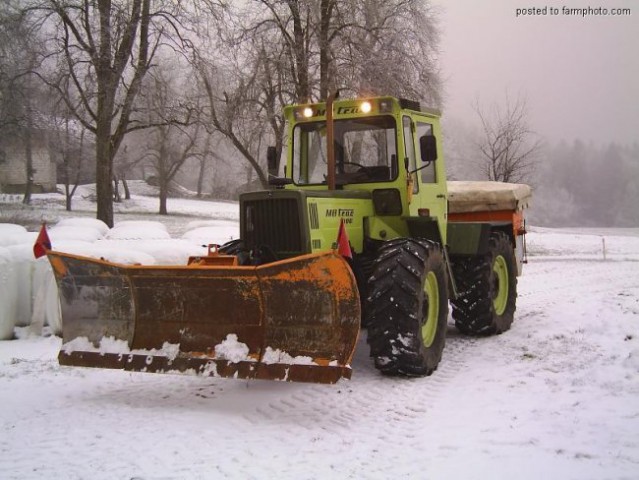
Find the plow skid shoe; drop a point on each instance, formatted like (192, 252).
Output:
(293, 320)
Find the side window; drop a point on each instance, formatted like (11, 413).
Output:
(309, 155)
(428, 172)
(409, 150)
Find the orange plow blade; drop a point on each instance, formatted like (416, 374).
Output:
(293, 320)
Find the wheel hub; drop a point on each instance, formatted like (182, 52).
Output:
(500, 300)
(429, 328)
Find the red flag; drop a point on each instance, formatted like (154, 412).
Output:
(43, 243)
(343, 245)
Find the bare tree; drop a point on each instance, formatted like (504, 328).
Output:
(105, 49)
(509, 148)
(295, 51)
(169, 145)
(389, 47)
(127, 160)
(209, 153)
(19, 52)
(170, 148)
(230, 114)
(69, 148)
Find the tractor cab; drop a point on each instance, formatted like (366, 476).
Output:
(386, 147)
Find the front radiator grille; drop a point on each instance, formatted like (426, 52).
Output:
(313, 216)
(274, 222)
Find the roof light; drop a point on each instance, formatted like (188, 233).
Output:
(308, 112)
(365, 107)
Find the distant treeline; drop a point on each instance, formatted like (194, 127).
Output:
(581, 184)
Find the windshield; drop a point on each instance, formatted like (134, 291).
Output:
(365, 151)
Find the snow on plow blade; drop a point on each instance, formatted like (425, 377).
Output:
(293, 320)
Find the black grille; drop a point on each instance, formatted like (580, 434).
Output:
(274, 222)
(314, 216)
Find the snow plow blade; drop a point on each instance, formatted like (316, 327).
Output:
(291, 320)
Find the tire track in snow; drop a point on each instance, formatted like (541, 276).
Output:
(387, 411)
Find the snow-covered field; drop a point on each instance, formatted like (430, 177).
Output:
(555, 397)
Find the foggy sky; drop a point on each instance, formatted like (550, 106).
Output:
(579, 75)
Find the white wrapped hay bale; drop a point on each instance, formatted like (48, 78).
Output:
(22, 266)
(85, 222)
(8, 294)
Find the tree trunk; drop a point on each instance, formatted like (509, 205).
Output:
(68, 195)
(326, 8)
(127, 192)
(301, 58)
(28, 152)
(200, 179)
(103, 177)
(163, 194)
(116, 190)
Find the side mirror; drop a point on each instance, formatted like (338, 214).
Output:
(428, 148)
(271, 161)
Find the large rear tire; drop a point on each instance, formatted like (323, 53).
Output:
(408, 307)
(487, 287)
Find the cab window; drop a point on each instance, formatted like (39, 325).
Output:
(365, 151)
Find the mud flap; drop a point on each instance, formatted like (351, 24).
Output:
(293, 320)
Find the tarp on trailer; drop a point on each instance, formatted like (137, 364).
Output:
(476, 196)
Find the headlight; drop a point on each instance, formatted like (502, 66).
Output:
(303, 113)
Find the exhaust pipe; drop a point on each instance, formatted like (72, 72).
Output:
(330, 140)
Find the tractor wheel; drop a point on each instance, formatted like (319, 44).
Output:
(407, 307)
(487, 287)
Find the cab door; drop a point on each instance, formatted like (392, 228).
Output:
(431, 173)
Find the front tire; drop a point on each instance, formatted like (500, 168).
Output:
(487, 286)
(408, 307)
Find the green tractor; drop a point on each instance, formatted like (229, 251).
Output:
(372, 169)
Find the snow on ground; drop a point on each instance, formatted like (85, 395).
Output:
(554, 397)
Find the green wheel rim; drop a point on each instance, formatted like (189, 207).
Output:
(500, 267)
(431, 289)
